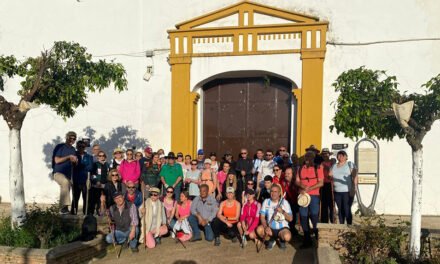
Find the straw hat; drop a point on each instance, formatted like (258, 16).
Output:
(304, 200)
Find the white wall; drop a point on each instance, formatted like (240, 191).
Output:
(116, 26)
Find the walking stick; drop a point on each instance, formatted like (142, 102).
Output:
(175, 236)
(271, 220)
(122, 245)
(88, 192)
(112, 231)
(143, 222)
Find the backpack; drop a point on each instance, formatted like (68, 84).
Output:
(89, 228)
(308, 179)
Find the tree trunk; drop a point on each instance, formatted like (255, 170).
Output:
(16, 190)
(416, 205)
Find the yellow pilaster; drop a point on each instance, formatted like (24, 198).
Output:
(297, 94)
(311, 100)
(181, 105)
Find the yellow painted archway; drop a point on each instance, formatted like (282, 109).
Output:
(236, 31)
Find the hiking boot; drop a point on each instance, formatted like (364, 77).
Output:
(134, 250)
(64, 210)
(194, 239)
(217, 241)
(157, 240)
(234, 239)
(282, 245)
(315, 231)
(270, 244)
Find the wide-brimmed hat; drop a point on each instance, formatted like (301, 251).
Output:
(312, 148)
(304, 199)
(171, 155)
(325, 150)
(117, 150)
(207, 161)
(154, 189)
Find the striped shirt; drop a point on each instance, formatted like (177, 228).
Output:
(268, 208)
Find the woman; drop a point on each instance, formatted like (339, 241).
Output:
(249, 218)
(277, 174)
(150, 175)
(231, 181)
(208, 177)
(153, 220)
(170, 206)
(99, 179)
(113, 185)
(183, 211)
(221, 178)
(227, 217)
(186, 164)
(129, 168)
(118, 157)
(138, 155)
(345, 180)
(214, 162)
(192, 178)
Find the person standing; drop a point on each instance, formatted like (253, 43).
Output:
(192, 178)
(208, 177)
(133, 195)
(129, 168)
(118, 157)
(150, 174)
(344, 174)
(125, 218)
(327, 200)
(95, 151)
(63, 160)
(244, 168)
(266, 168)
(113, 185)
(203, 211)
(200, 159)
(80, 182)
(99, 179)
(171, 175)
(221, 178)
(309, 179)
(287, 183)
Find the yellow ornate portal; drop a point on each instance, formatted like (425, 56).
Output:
(245, 29)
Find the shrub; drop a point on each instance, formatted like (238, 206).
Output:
(42, 228)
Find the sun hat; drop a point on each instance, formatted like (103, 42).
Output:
(230, 189)
(117, 150)
(171, 155)
(154, 189)
(207, 161)
(304, 199)
(312, 148)
(325, 150)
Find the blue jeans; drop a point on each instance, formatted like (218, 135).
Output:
(194, 223)
(344, 202)
(121, 237)
(313, 209)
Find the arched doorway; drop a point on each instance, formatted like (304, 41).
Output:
(252, 112)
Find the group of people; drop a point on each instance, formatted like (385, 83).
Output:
(147, 195)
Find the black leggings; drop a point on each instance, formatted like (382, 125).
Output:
(220, 227)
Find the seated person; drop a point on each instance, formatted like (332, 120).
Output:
(227, 217)
(154, 219)
(249, 218)
(275, 215)
(183, 211)
(203, 210)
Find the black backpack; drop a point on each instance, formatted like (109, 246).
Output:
(89, 228)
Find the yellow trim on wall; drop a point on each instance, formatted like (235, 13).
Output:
(309, 98)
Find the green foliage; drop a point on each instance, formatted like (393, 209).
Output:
(365, 97)
(62, 76)
(374, 242)
(42, 228)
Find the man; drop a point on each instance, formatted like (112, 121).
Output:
(125, 218)
(63, 160)
(146, 159)
(327, 200)
(259, 157)
(309, 179)
(81, 185)
(318, 158)
(171, 175)
(133, 195)
(264, 193)
(275, 216)
(200, 159)
(227, 157)
(279, 159)
(95, 150)
(266, 168)
(204, 209)
(244, 167)
(287, 183)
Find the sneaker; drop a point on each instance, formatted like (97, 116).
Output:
(194, 239)
(134, 250)
(234, 239)
(64, 210)
(157, 240)
(316, 234)
(282, 245)
(217, 241)
(270, 244)
(244, 242)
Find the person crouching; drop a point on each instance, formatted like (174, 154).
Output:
(227, 218)
(154, 219)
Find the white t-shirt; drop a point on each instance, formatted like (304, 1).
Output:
(266, 168)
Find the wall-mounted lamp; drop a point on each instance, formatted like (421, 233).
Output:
(150, 65)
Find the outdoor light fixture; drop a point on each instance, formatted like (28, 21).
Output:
(150, 63)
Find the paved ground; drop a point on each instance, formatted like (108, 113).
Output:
(202, 252)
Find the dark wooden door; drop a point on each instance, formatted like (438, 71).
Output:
(246, 112)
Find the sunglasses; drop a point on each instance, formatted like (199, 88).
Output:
(131, 187)
(101, 155)
(282, 150)
(129, 154)
(170, 192)
(250, 183)
(276, 170)
(114, 174)
(194, 164)
(154, 194)
(243, 153)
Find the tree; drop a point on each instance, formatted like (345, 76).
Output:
(61, 78)
(364, 107)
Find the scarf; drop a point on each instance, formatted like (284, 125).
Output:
(148, 219)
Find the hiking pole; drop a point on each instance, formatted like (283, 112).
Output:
(122, 245)
(175, 236)
(143, 217)
(87, 194)
(112, 231)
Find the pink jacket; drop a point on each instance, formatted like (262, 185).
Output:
(130, 171)
(250, 214)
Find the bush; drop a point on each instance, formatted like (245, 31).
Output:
(42, 228)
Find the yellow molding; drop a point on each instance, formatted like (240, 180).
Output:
(180, 60)
(312, 54)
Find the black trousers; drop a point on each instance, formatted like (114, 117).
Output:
(78, 191)
(95, 200)
(327, 203)
(218, 227)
